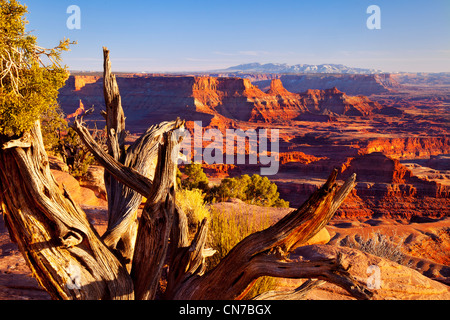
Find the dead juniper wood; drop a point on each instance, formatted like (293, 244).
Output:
(72, 261)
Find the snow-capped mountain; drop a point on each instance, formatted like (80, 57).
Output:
(299, 68)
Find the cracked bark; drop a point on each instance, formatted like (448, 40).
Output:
(52, 232)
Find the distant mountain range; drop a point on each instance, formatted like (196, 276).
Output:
(299, 68)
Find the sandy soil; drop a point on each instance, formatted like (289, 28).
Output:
(426, 243)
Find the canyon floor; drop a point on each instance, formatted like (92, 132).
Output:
(425, 274)
(423, 241)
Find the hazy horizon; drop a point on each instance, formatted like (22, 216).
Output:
(180, 36)
(182, 72)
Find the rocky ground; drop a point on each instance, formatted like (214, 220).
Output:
(16, 282)
(424, 244)
(424, 274)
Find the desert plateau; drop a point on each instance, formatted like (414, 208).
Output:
(391, 130)
(225, 158)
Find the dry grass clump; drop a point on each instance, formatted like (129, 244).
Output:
(192, 203)
(227, 229)
(379, 245)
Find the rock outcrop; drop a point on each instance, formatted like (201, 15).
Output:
(337, 102)
(386, 187)
(390, 282)
(81, 195)
(237, 98)
(352, 84)
(378, 168)
(409, 147)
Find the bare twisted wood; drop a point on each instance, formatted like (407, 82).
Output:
(265, 253)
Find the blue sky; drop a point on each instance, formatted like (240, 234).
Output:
(157, 36)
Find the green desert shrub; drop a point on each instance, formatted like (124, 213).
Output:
(227, 229)
(53, 127)
(255, 190)
(195, 177)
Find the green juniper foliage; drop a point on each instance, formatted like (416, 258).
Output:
(30, 76)
(255, 190)
(196, 177)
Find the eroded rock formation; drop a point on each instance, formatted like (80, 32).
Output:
(156, 98)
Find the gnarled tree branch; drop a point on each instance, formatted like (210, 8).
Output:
(297, 294)
(128, 172)
(155, 225)
(331, 270)
(126, 175)
(188, 260)
(238, 270)
(62, 249)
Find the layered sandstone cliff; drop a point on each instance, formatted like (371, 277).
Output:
(352, 84)
(386, 187)
(409, 147)
(152, 99)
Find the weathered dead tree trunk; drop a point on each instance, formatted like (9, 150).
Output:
(71, 261)
(267, 253)
(64, 252)
(123, 201)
